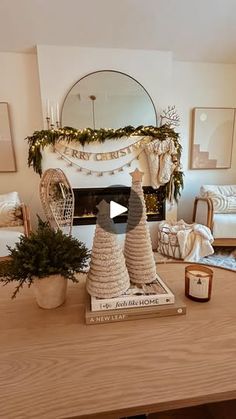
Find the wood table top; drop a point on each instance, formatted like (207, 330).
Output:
(54, 366)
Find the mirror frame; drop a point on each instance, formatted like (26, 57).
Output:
(113, 71)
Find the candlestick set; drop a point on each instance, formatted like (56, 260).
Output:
(52, 115)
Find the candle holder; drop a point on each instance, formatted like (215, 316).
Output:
(51, 126)
(198, 283)
(48, 122)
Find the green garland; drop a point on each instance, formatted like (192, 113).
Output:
(41, 139)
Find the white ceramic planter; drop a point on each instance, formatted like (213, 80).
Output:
(50, 291)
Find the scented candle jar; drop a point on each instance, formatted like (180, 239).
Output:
(198, 283)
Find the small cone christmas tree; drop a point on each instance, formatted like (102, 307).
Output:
(108, 276)
(138, 248)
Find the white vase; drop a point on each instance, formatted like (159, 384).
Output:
(50, 291)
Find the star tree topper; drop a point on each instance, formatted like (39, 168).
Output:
(137, 175)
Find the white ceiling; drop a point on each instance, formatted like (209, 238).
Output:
(194, 30)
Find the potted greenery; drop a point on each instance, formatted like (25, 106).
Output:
(46, 259)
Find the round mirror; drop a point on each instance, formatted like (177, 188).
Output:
(107, 99)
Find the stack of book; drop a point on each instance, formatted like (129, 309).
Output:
(139, 302)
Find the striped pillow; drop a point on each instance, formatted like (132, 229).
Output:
(10, 210)
(223, 198)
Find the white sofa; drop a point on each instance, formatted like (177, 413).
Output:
(14, 221)
(216, 207)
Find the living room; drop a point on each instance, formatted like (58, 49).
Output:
(50, 72)
(182, 55)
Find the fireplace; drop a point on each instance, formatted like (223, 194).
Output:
(86, 200)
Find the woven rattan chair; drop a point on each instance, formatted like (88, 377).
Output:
(57, 199)
(216, 208)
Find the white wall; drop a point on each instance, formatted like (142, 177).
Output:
(19, 86)
(199, 85)
(61, 67)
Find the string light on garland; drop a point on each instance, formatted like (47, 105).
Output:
(41, 139)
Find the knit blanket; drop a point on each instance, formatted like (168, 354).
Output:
(194, 239)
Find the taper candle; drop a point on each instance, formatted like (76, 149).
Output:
(47, 108)
(57, 113)
(52, 116)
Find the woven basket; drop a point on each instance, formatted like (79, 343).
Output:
(168, 244)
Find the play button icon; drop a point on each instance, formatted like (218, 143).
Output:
(120, 200)
(116, 209)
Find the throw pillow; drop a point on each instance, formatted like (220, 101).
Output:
(10, 210)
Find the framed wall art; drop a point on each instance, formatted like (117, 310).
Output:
(212, 138)
(7, 154)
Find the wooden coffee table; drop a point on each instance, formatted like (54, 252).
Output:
(54, 366)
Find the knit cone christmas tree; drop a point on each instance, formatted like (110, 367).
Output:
(108, 276)
(138, 248)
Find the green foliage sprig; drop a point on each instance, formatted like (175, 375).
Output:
(41, 139)
(45, 252)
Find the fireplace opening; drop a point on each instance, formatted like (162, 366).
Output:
(86, 200)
